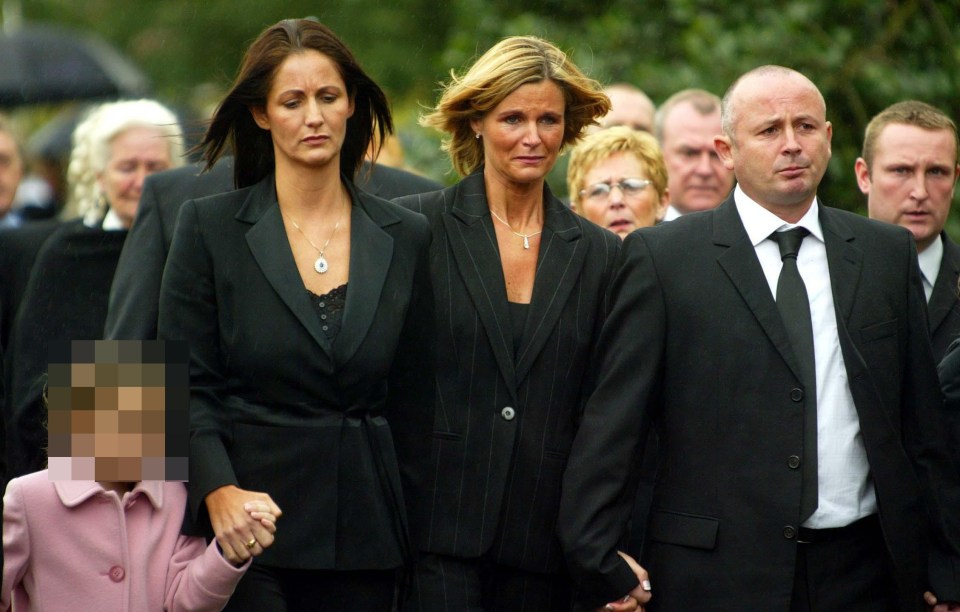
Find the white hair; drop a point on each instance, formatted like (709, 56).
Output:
(91, 150)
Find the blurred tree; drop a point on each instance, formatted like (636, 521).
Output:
(864, 54)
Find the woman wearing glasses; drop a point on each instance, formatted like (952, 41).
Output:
(618, 180)
(519, 281)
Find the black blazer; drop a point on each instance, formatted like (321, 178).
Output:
(504, 421)
(65, 299)
(18, 251)
(274, 405)
(695, 347)
(136, 288)
(944, 304)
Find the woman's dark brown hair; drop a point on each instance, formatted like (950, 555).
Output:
(233, 126)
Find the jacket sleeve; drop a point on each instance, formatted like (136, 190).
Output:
(412, 382)
(16, 543)
(199, 577)
(188, 312)
(135, 293)
(949, 371)
(600, 481)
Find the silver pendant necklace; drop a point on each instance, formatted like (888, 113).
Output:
(526, 237)
(320, 266)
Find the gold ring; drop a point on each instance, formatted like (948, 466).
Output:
(252, 543)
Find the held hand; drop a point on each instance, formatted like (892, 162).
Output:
(239, 533)
(638, 597)
(260, 511)
(935, 606)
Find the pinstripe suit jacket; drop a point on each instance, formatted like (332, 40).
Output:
(505, 421)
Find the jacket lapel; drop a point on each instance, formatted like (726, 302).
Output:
(473, 242)
(741, 265)
(944, 297)
(559, 266)
(844, 260)
(267, 240)
(371, 250)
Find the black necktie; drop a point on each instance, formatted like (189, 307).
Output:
(794, 308)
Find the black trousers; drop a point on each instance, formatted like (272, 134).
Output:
(291, 590)
(451, 584)
(844, 570)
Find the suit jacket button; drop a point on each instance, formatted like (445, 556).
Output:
(789, 532)
(793, 462)
(508, 413)
(116, 573)
(796, 395)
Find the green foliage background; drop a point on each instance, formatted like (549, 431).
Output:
(864, 54)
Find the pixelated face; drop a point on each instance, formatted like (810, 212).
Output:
(108, 416)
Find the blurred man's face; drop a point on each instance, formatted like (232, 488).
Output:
(911, 179)
(698, 180)
(11, 171)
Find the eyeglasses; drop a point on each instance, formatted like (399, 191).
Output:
(630, 187)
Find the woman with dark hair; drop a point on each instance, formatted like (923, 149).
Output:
(521, 280)
(308, 392)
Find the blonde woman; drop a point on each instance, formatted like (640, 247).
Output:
(519, 281)
(618, 180)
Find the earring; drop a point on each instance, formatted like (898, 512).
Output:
(478, 135)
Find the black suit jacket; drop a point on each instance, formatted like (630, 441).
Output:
(504, 421)
(328, 429)
(18, 251)
(136, 288)
(695, 347)
(944, 305)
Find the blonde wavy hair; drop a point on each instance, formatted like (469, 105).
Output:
(514, 61)
(598, 146)
(91, 151)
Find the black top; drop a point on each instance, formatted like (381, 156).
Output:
(329, 307)
(518, 319)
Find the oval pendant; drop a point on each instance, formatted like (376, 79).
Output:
(320, 265)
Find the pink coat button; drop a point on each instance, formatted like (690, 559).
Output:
(116, 573)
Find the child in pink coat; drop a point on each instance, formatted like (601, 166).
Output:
(89, 533)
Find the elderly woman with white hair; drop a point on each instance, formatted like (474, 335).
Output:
(115, 147)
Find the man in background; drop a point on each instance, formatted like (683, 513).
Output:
(629, 106)
(686, 125)
(11, 172)
(908, 171)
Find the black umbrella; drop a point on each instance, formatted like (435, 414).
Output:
(45, 63)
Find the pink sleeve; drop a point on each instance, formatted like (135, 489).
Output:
(199, 578)
(16, 543)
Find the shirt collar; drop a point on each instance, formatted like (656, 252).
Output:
(112, 221)
(930, 259)
(760, 222)
(72, 493)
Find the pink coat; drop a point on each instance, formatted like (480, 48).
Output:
(71, 545)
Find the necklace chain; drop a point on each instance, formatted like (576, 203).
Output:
(320, 265)
(526, 237)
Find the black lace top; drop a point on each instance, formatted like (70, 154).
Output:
(329, 307)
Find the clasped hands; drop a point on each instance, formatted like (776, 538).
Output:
(636, 599)
(244, 522)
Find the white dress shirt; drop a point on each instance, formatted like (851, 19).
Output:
(930, 259)
(671, 213)
(844, 486)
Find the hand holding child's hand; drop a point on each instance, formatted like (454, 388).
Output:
(242, 535)
(260, 511)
